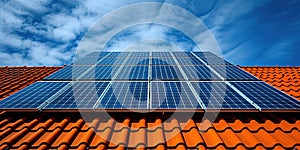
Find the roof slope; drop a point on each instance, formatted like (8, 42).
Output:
(152, 131)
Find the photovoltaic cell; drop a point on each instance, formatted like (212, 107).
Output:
(172, 95)
(188, 61)
(166, 73)
(86, 61)
(68, 73)
(133, 73)
(233, 73)
(218, 95)
(205, 54)
(140, 54)
(199, 73)
(32, 96)
(125, 95)
(112, 61)
(215, 61)
(161, 54)
(81, 95)
(182, 54)
(102, 73)
(163, 61)
(266, 96)
(137, 61)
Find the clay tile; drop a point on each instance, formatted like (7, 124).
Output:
(104, 125)
(192, 138)
(160, 147)
(44, 125)
(155, 137)
(253, 125)
(60, 124)
(237, 125)
(247, 138)
(122, 125)
(265, 138)
(221, 125)
(14, 124)
(169, 126)
(101, 137)
(66, 137)
(229, 138)
(83, 138)
(119, 137)
(221, 147)
(285, 126)
(137, 139)
(211, 138)
(188, 125)
(137, 125)
(284, 139)
(154, 125)
(78, 124)
(295, 134)
(205, 125)
(240, 147)
(174, 138)
(269, 125)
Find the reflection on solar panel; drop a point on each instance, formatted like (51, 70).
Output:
(166, 73)
(133, 73)
(102, 73)
(112, 61)
(233, 73)
(79, 95)
(86, 61)
(265, 96)
(163, 61)
(161, 54)
(189, 61)
(131, 95)
(199, 73)
(68, 73)
(205, 54)
(183, 54)
(172, 95)
(140, 54)
(137, 61)
(32, 96)
(218, 95)
(215, 61)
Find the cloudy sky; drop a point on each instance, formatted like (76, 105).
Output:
(249, 32)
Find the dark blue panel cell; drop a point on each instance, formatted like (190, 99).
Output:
(102, 73)
(218, 95)
(137, 61)
(140, 54)
(163, 61)
(161, 54)
(182, 54)
(32, 96)
(199, 73)
(265, 96)
(172, 95)
(189, 61)
(233, 73)
(125, 95)
(166, 73)
(133, 73)
(86, 61)
(79, 95)
(112, 61)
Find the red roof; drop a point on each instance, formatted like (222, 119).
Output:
(153, 131)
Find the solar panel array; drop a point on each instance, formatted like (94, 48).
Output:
(150, 81)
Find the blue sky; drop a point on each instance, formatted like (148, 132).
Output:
(249, 32)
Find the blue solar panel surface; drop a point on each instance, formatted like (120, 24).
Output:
(218, 95)
(32, 96)
(79, 95)
(266, 96)
(122, 95)
(172, 95)
(130, 73)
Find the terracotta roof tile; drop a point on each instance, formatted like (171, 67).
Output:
(229, 131)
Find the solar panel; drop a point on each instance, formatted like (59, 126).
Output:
(172, 95)
(205, 54)
(133, 73)
(79, 95)
(137, 61)
(112, 61)
(125, 95)
(166, 73)
(162, 61)
(182, 54)
(32, 96)
(188, 61)
(233, 73)
(215, 61)
(140, 54)
(199, 73)
(102, 73)
(161, 54)
(266, 96)
(68, 73)
(86, 61)
(218, 95)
